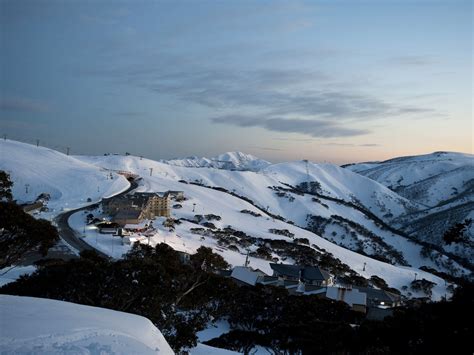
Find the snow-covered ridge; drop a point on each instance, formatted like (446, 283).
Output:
(441, 182)
(35, 325)
(227, 161)
(68, 181)
(263, 188)
(255, 187)
(405, 171)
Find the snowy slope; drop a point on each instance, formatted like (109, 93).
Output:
(208, 201)
(228, 161)
(68, 180)
(35, 325)
(342, 184)
(335, 181)
(428, 179)
(442, 182)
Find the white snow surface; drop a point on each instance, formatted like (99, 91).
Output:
(430, 178)
(43, 326)
(255, 186)
(69, 181)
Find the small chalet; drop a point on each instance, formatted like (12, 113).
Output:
(380, 298)
(310, 275)
(108, 227)
(246, 275)
(353, 297)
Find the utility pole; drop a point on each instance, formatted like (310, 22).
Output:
(364, 267)
(151, 171)
(67, 150)
(194, 206)
(26, 187)
(37, 142)
(4, 137)
(247, 261)
(415, 276)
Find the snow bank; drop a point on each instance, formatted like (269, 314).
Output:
(36, 325)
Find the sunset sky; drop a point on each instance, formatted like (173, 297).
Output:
(336, 81)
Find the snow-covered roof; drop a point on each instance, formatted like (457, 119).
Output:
(246, 275)
(350, 296)
(141, 225)
(306, 272)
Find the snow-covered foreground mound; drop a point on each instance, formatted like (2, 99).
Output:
(35, 325)
(68, 181)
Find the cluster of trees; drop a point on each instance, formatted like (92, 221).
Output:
(457, 233)
(20, 233)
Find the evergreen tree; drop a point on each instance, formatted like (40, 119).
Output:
(455, 234)
(5, 186)
(21, 233)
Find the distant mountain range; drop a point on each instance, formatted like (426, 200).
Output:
(227, 161)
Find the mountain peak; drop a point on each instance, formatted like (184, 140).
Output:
(228, 161)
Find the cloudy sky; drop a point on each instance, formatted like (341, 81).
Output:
(335, 81)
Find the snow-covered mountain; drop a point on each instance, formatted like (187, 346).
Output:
(69, 181)
(339, 213)
(348, 209)
(428, 179)
(441, 182)
(227, 161)
(42, 326)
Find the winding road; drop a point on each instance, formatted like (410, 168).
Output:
(70, 236)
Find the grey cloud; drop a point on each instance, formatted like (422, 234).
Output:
(277, 93)
(23, 105)
(266, 148)
(352, 144)
(340, 144)
(314, 128)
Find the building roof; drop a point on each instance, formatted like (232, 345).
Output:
(245, 275)
(141, 225)
(147, 195)
(128, 214)
(350, 296)
(310, 273)
(375, 294)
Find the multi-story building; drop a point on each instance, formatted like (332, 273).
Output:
(131, 209)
